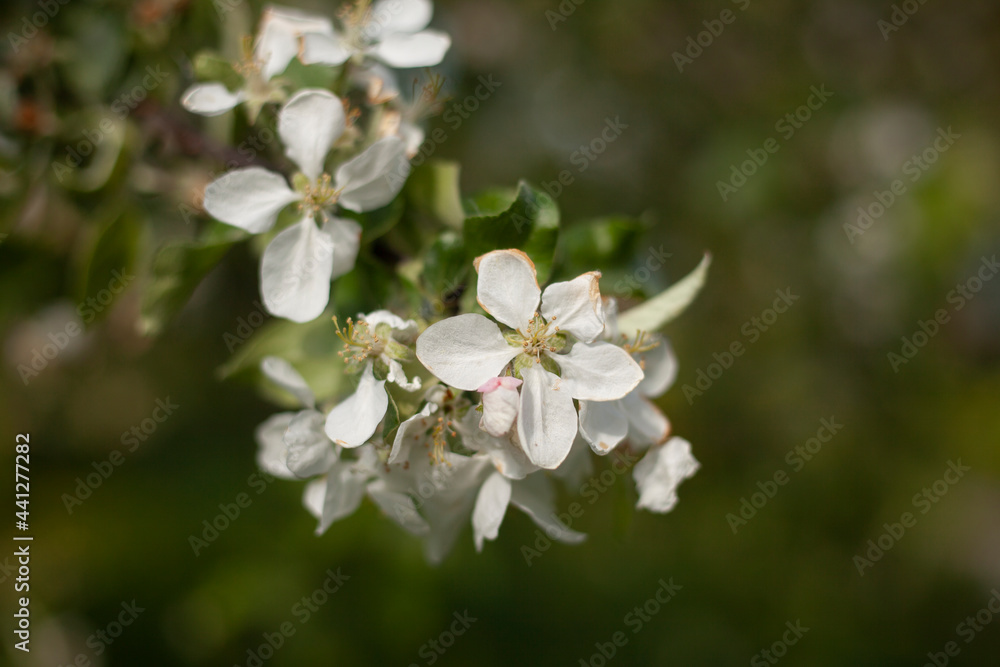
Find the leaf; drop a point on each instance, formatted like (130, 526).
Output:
(445, 270)
(210, 67)
(311, 347)
(391, 423)
(541, 245)
(177, 270)
(527, 220)
(112, 258)
(653, 314)
(607, 243)
(433, 191)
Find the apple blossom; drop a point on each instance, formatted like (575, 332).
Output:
(300, 262)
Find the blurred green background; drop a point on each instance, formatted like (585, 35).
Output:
(560, 82)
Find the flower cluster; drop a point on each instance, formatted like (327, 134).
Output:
(451, 419)
(502, 408)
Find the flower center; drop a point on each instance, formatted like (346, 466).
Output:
(318, 196)
(538, 337)
(360, 342)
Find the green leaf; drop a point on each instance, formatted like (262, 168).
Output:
(445, 270)
(541, 244)
(177, 270)
(210, 67)
(605, 243)
(433, 191)
(111, 260)
(391, 423)
(310, 347)
(528, 221)
(655, 313)
(300, 76)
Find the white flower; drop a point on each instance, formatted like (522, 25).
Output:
(276, 44)
(661, 471)
(300, 261)
(533, 495)
(500, 400)
(467, 350)
(376, 341)
(392, 31)
(635, 417)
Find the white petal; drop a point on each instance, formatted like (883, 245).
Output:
(491, 505)
(353, 421)
(423, 49)
(402, 330)
(500, 407)
(665, 306)
(320, 49)
(578, 466)
(659, 473)
(399, 16)
(310, 453)
(576, 306)
(534, 497)
(397, 376)
(546, 423)
(344, 490)
(410, 432)
(210, 99)
(278, 37)
(448, 492)
(248, 198)
(371, 180)
(376, 80)
(346, 235)
(271, 449)
(398, 506)
(313, 495)
(598, 371)
(646, 424)
(464, 351)
(283, 374)
(659, 366)
(309, 124)
(295, 272)
(505, 453)
(508, 287)
(603, 424)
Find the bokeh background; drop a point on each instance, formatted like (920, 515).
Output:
(562, 76)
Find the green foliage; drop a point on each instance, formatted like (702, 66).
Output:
(113, 253)
(177, 271)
